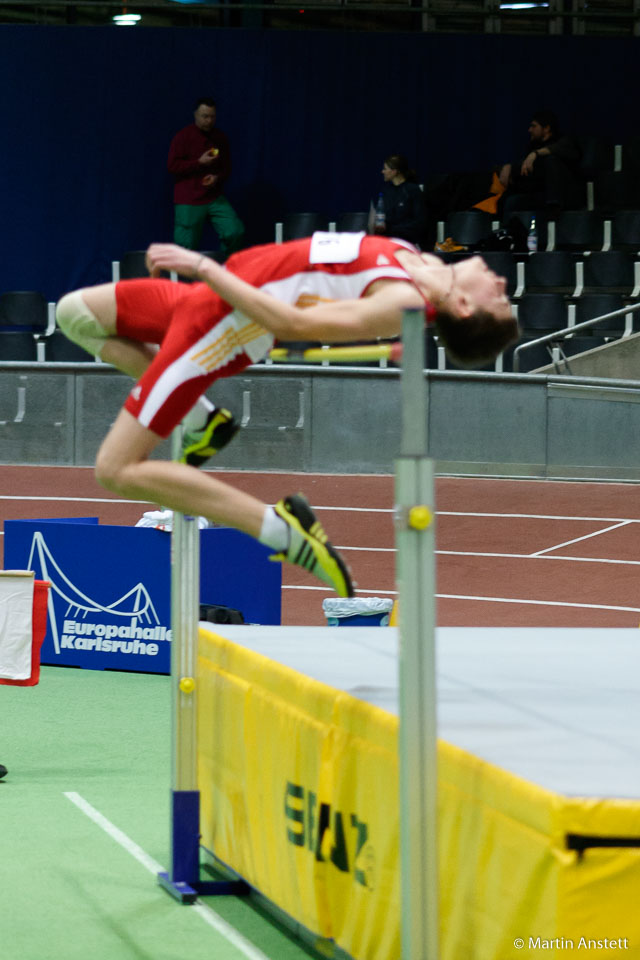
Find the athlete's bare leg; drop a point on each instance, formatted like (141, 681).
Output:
(123, 467)
(126, 355)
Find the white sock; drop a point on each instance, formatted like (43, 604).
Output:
(197, 416)
(274, 532)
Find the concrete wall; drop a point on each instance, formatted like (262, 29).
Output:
(337, 420)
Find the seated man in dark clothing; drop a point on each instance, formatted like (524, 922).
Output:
(548, 178)
(403, 201)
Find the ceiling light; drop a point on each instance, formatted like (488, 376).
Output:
(126, 19)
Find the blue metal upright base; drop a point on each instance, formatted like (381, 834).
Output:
(183, 882)
(189, 893)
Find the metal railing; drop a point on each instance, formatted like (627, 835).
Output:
(559, 335)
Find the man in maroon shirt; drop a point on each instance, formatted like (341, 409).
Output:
(200, 162)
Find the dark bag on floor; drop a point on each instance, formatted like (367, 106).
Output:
(214, 613)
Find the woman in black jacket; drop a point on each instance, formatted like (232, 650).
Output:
(403, 201)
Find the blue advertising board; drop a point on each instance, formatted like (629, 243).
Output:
(110, 597)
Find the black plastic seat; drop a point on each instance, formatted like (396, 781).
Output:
(18, 345)
(631, 155)
(625, 230)
(468, 227)
(542, 312)
(550, 271)
(530, 359)
(615, 190)
(353, 222)
(59, 349)
(297, 225)
(132, 265)
(25, 310)
(591, 305)
(579, 230)
(571, 346)
(611, 269)
(597, 154)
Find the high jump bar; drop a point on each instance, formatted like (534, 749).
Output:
(346, 354)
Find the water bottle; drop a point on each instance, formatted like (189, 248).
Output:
(380, 220)
(532, 237)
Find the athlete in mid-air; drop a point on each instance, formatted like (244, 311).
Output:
(176, 339)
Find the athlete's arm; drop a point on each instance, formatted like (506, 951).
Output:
(377, 315)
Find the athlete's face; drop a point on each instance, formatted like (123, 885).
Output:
(481, 287)
(205, 117)
(388, 173)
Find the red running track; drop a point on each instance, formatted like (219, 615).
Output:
(510, 552)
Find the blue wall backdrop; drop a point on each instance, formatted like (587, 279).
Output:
(87, 115)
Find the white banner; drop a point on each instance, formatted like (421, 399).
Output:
(16, 619)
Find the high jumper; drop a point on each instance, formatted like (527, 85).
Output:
(176, 339)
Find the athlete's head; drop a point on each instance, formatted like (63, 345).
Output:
(473, 316)
(204, 113)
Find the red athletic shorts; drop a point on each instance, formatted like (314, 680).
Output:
(188, 321)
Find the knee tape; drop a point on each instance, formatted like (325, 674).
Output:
(80, 324)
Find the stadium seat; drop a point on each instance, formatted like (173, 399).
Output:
(550, 271)
(625, 230)
(579, 230)
(131, 265)
(571, 346)
(18, 345)
(631, 155)
(542, 312)
(298, 225)
(27, 311)
(353, 222)
(59, 349)
(468, 227)
(529, 359)
(591, 305)
(610, 269)
(597, 155)
(615, 190)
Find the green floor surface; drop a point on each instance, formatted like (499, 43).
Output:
(69, 891)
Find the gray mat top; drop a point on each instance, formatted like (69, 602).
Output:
(559, 707)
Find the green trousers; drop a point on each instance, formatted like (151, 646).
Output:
(190, 219)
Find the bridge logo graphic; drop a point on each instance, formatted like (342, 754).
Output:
(134, 613)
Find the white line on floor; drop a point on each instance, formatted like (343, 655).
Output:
(441, 513)
(75, 500)
(205, 912)
(588, 536)
(455, 596)
(540, 603)
(510, 556)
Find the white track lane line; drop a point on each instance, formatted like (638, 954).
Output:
(205, 912)
(455, 596)
(114, 500)
(540, 603)
(509, 556)
(441, 513)
(588, 536)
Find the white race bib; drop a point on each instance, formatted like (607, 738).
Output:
(335, 247)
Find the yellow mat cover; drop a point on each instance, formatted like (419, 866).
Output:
(299, 794)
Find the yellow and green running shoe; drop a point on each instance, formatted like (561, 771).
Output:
(309, 547)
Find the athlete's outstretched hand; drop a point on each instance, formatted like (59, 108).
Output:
(169, 256)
